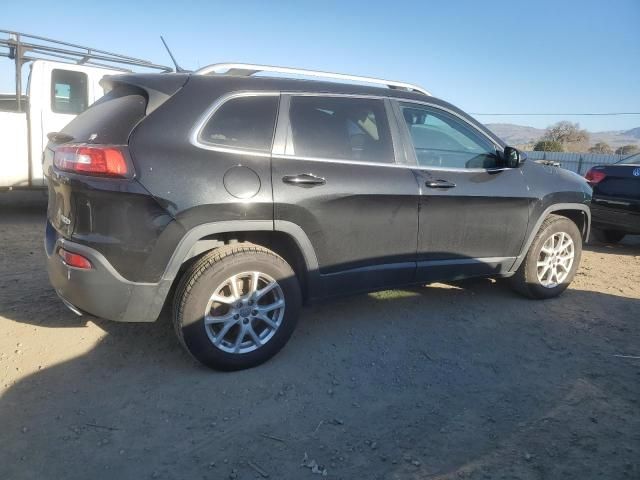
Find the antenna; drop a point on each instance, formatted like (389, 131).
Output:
(178, 68)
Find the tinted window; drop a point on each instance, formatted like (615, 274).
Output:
(112, 117)
(243, 122)
(340, 128)
(68, 92)
(442, 140)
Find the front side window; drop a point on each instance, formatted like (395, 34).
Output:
(442, 140)
(69, 93)
(340, 128)
(243, 122)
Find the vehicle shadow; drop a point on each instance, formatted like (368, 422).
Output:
(437, 380)
(629, 245)
(462, 379)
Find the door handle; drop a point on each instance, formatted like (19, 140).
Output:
(439, 184)
(304, 180)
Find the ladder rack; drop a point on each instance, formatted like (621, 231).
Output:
(17, 45)
(24, 47)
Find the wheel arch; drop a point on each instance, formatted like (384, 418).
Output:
(284, 238)
(578, 213)
(581, 218)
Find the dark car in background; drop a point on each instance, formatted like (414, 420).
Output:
(236, 198)
(615, 206)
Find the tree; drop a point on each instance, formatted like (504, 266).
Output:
(570, 135)
(548, 146)
(601, 147)
(627, 150)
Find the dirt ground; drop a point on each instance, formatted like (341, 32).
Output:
(444, 382)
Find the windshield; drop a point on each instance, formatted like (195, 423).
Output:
(632, 160)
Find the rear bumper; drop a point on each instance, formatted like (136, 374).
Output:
(608, 216)
(101, 291)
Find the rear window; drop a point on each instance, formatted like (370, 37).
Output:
(111, 119)
(69, 92)
(244, 123)
(632, 160)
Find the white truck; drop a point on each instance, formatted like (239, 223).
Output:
(63, 80)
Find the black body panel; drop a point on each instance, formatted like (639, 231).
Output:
(363, 216)
(116, 217)
(616, 199)
(484, 215)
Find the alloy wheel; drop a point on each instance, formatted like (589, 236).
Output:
(244, 312)
(555, 260)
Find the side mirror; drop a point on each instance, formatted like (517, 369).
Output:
(513, 158)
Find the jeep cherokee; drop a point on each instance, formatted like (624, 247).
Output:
(237, 197)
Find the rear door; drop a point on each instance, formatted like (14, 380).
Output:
(336, 175)
(473, 214)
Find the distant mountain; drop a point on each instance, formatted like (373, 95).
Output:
(516, 134)
(634, 132)
(523, 135)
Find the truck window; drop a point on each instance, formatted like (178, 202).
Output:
(68, 92)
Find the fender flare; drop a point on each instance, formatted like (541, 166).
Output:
(184, 249)
(155, 297)
(553, 208)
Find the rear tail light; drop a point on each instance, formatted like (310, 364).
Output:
(92, 160)
(74, 260)
(594, 176)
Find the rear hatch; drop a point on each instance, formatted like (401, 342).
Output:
(108, 122)
(94, 196)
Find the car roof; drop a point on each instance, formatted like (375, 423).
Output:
(227, 83)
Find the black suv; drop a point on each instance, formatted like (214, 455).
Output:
(237, 197)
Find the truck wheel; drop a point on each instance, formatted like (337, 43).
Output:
(552, 259)
(236, 307)
(607, 236)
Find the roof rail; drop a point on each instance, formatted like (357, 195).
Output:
(18, 45)
(246, 70)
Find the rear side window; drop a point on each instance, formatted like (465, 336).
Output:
(243, 122)
(340, 128)
(69, 92)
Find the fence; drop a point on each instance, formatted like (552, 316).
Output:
(576, 162)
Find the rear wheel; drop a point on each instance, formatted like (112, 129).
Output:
(607, 236)
(552, 259)
(237, 306)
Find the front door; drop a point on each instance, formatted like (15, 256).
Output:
(473, 213)
(337, 178)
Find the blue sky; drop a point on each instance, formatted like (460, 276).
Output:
(484, 56)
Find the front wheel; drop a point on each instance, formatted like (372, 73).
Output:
(552, 260)
(237, 306)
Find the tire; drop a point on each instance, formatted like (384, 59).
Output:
(213, 274)
(607, 236)
(526, 280)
